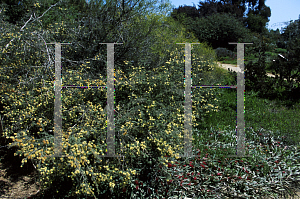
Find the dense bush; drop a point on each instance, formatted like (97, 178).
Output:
(289, 67)
(144, 130)
(223, 52)
(219, 29)
(149, 125)
(255, 71)
(256, 78)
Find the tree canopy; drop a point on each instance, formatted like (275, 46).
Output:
(219, 29)
(205, 17)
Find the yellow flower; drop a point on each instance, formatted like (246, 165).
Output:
(112, 185)
(36, 5)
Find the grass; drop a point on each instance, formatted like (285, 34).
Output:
(230, 60)
(259, 112)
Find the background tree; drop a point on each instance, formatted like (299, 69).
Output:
(255, 72)
(210, 7)
(274, 36)
(69, 11)
(289, 67)
(101, 22)
(190, 11)
(15, 10)
(165, 37)
(219, 29)
(129, 25)
(258, 18)
(205, 23)
(88, 25)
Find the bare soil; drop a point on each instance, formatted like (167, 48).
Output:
(16, 182)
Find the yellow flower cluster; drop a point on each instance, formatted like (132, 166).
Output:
(36, 5)
(111, 184)
(75, 144)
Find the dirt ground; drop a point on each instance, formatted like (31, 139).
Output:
(16, 182)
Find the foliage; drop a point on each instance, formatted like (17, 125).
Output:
(218, 177)
(148, 125)
(68, 11)
(269, 87)
(79, 139)
(223, 52)
(189, 11)
(214, 175)
(273, 38)
(280, 50)
(208, 8)
(290, 33)
(289, 68)
(218, 23)
(15, 10)
(163, 39)
(136, 33)
(255, 72)
(144, 125)
(218, 30)
(86, 21)
(255, 38)
(257, 19)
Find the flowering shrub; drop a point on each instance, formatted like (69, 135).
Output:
(149, 125)
(149, 130)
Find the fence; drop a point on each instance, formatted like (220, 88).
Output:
(240, 128)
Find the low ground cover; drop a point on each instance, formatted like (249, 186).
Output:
(272, 133)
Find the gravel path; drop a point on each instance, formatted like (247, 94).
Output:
(237, 69)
